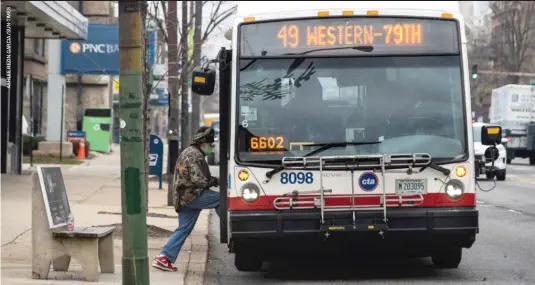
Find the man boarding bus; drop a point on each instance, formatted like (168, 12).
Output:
(346, 125)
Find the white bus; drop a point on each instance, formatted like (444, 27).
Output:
(346, 126)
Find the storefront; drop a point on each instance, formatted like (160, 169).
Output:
(20, 20)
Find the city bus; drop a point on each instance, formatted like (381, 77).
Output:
(345, 126)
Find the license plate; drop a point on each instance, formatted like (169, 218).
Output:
(411, 186)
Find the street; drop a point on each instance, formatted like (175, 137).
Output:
(502, 254)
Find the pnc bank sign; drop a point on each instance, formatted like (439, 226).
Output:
(99, 53)
(93, 48)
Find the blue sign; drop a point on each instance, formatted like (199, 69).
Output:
(163, 96)
(156, 157)
(99, 54)
(76, 134)
(368, 181)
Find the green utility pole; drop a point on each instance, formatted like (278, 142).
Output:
(135, 258)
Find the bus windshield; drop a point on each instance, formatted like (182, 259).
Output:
(307, 83)
(409, 104)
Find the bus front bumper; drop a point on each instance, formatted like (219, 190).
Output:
(423, 227)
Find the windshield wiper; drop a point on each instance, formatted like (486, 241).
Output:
(364, 48)
(322, 147)
(435, 166)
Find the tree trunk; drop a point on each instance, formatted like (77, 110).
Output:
(184, 114)
(197, 37)
(172, 130)
(147, 87)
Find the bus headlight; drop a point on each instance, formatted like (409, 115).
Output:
(250, 192)
(454, 188)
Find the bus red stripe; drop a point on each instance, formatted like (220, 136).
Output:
(430, 200)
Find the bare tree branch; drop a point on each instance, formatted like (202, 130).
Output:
(217, 16)
(158, 21)
(513, 36)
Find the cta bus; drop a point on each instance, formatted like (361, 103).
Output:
(345, 126)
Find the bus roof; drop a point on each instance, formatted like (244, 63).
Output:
(255, 8)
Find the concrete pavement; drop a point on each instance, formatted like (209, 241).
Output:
(516, 193)
(94, 191)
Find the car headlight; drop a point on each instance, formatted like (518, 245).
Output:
(250, 192)
(454, 188)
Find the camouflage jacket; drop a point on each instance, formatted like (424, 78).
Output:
(193, 176)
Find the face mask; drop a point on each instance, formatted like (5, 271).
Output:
(207, 149)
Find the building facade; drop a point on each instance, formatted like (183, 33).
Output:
(23, 66)
(88, 91)
(93, 91)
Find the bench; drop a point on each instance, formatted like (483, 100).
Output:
(91, 246)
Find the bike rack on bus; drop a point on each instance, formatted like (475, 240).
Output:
(314, 199)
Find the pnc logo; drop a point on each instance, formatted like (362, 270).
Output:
(368, 181)
(75, 48)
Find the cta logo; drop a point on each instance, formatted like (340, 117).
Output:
(368, 181)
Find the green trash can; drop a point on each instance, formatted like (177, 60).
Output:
(97, 125)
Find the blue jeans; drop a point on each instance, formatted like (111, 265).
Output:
(187, 218)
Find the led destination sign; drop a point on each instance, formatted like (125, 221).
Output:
(350, 36)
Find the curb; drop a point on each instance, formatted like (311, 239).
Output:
(198, 256)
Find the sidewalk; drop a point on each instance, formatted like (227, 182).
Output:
(94, 191)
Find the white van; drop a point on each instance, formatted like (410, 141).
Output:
(484, 153)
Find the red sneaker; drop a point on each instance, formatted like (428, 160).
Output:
(163, 263)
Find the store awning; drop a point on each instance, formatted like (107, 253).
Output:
(48, 19)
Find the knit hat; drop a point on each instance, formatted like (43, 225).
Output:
(203, 135)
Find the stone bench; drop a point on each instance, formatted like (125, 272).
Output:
(91, 246)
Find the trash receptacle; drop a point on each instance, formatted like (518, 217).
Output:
(97, 127)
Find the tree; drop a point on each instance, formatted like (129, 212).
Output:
(147, 90)
(195, 100)
(217, 16)
(513, 37)
(480, 54)
(184, 114)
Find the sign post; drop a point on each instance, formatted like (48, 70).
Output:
(156, 157)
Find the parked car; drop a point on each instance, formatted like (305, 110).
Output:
(485, 155)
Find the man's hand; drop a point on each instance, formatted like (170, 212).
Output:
(216, 181)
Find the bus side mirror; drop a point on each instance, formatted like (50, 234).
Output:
(491, 135)
(203, 81)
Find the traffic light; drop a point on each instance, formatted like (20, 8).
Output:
(474, 71)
